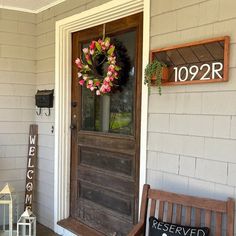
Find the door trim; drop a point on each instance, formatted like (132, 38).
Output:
(107, 12)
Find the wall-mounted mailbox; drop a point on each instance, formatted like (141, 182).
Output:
(44, 99)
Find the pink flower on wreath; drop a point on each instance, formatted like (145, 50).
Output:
(109, 73)
(85, 50)
(100, 41)
(78, 63)
(107, 44)
(103, 47)
(108, 88)
(85, 77)
(92, 46)
(98, 92)
(89, 85)
(103, 89)
(87, 57)
(105, 82)
(107, 79)
(111, 68)
(86, 67)
(81, 82)
(112, 60)
(97, 83)
(92, 88)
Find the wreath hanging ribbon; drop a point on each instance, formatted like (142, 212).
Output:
(87, 64)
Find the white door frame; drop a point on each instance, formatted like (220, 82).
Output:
(107, 12)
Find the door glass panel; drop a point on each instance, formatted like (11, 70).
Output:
(113, 113)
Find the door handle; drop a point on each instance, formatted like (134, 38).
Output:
(74, 104)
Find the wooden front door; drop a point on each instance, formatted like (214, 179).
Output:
(106, 136)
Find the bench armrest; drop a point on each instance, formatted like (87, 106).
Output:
(138, 229)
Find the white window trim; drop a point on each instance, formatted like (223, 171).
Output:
(64, 28)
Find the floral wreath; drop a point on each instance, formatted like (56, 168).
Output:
(87, 73)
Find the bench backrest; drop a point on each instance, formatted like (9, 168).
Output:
(188, 210)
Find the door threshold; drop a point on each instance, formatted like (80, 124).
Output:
(78, 228)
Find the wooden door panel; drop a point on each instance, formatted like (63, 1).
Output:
(108, 180)
(103, 219)
(105, 164)
(108, 161)
(106, 142)
(106, 198)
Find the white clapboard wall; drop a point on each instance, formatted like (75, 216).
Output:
(192, 128)
(17, 89)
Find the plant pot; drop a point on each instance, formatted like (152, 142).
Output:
(165, 76)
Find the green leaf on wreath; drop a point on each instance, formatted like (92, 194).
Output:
(107, 39)
(117, 68)
(85, 69)
(98, 46)
(89, 62)
(111, 50)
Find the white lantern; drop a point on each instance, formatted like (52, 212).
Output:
(26, 225)
(6, 201)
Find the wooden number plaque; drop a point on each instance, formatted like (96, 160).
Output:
(203, 61)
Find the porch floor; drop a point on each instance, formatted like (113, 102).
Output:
(41, 231)
(44, 231)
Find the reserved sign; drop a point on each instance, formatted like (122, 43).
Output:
(168, 229)
(31, 162)
(203, 61)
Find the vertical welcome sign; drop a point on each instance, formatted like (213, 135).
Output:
(31, 162)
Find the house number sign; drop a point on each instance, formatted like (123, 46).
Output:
(203, 61)
(207, 72)
(31, 162)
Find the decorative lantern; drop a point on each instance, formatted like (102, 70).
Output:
(26, 225)
(6, 201)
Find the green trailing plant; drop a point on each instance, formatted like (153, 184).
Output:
(153, 74)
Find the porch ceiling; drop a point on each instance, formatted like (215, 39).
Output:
(33, 6)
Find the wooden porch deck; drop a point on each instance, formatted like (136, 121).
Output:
(44, 231)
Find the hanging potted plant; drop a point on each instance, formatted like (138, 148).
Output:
(155, 73)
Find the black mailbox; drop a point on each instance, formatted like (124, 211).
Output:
(44, 98)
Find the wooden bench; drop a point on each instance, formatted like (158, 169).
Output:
(185, 210)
